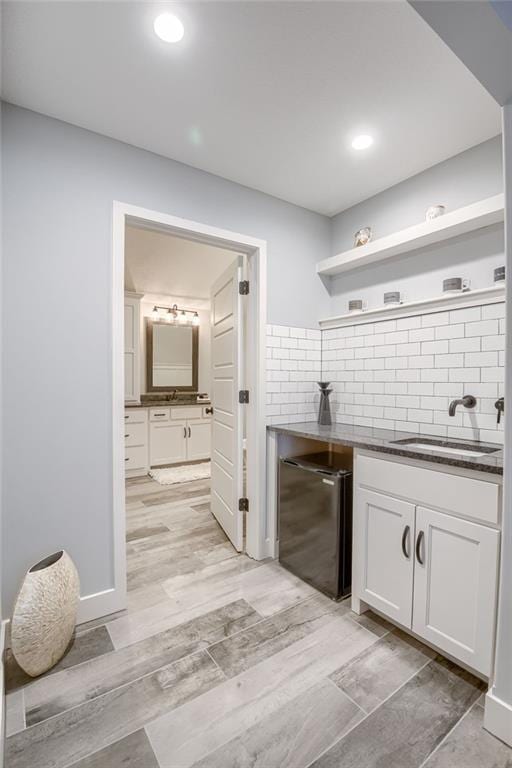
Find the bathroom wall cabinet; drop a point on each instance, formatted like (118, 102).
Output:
(166, 435)
(426, 552)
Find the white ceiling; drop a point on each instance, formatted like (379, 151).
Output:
(268, 94)
(159, 263)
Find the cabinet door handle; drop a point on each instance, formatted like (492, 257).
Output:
(189, 431)
(418, 547)
(184, 432)
(405, 540)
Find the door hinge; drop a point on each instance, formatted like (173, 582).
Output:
(243, 505)
(243, 287)
(243, 396)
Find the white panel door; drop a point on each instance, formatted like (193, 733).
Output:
(383, 542)
(455, 585)
(227, 482)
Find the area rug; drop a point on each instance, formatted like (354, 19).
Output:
(183, 474)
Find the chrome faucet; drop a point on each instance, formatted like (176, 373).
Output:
(468, 401)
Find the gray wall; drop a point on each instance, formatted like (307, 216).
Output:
(466, 178)
(59, 184)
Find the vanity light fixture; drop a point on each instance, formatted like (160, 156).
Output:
(169, 28)
(362, 142)
(175, 314)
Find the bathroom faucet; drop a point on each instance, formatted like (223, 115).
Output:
(468, 401)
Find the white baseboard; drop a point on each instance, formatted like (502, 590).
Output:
(100, 604)
(498, 717)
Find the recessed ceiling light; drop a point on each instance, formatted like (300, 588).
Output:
(362, 142)
(169, 28)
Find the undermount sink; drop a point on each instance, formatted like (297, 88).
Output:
(443, 446)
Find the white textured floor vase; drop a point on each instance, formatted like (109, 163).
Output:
(183, 474)
(45, 613)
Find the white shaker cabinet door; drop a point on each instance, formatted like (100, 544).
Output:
(383, 557)
(167, 443)
(199, 439)
(455, 586)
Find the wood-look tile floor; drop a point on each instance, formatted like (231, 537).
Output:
(224, 662)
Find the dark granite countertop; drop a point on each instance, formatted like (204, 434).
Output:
(381, 440)
(167, 404)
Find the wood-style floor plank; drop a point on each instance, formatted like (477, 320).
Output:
(188, 734)
(72, 687)
(67, 738)
(293, 736)
(403, 731)
(374, 675)
(134, 751)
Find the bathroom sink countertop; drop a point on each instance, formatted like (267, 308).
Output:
(383, 441)
(167, 403)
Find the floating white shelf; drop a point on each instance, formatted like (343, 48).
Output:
(493, 295)
(485, 213)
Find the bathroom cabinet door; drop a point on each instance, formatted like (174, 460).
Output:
(455, 586)
(383, 553)
(199, 438)
(167, 442)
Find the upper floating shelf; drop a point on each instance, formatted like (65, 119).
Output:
(485, 213)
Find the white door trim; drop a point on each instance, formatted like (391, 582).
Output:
(256, 251)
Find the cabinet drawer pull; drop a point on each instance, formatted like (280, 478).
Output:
(159, 414)
(405, 540)
(208, 410)
(127, 436)
(127, 416)
(418, 547)
(127, 458)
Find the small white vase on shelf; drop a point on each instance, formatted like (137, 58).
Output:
(45, 612)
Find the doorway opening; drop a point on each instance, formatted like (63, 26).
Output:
(189, 388)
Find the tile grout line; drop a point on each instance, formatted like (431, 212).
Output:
(344, 693)
(446, 736)
(370, 713)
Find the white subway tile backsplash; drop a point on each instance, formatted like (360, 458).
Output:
(405, 372)
(482, 359)
(483, 328)
(293, 368)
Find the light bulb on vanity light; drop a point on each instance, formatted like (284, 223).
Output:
(182, 318)
(195, 319)
(170, 316)
(155, 315)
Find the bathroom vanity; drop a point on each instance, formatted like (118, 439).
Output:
(426, 531)
(161, 434)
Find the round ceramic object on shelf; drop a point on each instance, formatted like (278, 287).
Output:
(362, 236)
(434, 211)
(45, 612)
